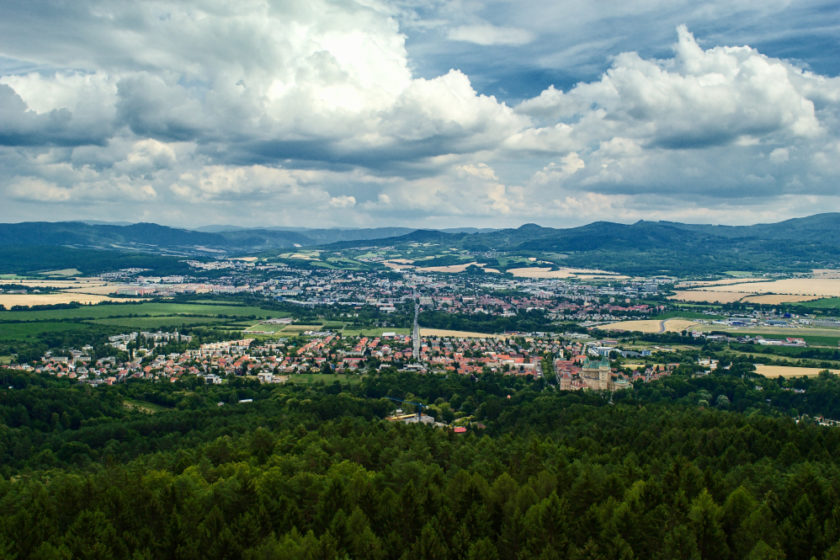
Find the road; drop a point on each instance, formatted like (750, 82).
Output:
(415, 333)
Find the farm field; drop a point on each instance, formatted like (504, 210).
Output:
(344, 330)
(297, 329)
(26, 324)
(458, 334)
(770, 292)
(723, 282)
(825, 303)
(157, 322)
(777, 332)
(398, 264)
(651, 325)
(28, 300)
(789, 371)
(374, 331)
(548, 272)
(824, 287)
(453, 268)
(776, 299)
(80, 285)
(51, 282)
(140, 309)
(24, 331)
(703, 296)
(63, 290)
(778, 357)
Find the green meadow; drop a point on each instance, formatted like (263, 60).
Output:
(30, 324)
(825, 303)
(151, 309)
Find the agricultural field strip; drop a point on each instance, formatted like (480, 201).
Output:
(157, 321)
(424, 332)
(826, 287)
(824, 303)
(652, 325)
(700, 284)
(58, 298)
(789, 371)
(138, 310)
(779, 331)
(18, 331)
(795, 362)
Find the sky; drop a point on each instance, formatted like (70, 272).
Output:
(432, 113)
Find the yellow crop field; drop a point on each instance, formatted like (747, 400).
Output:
(789, 371)
(823, 287)
(701, 284)
(775, 299)
(651, 325)
(88, 286)
(453, 268)
(28, 300)
(767, 291)
(59, 284)
(299, 328)
(459, 334)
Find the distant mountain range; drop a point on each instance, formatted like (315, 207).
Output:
(207, 240)
(642, 247)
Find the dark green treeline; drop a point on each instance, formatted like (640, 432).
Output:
(313, 472)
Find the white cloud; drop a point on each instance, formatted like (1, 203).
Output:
(487, 34)
(696, 99)
(478, 170)
(554, 172)
(33, 189)
(317, 111)
(342, 201)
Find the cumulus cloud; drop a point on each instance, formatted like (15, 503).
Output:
(22, 126)
(267, 74)
(702, 123)
(316, 111)
(570, 164)
(30, 188)
(342, 201)
(696, 99)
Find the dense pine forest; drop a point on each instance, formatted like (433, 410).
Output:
(714, 467)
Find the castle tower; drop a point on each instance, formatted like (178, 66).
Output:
(604, 375)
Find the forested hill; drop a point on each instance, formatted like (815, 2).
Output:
(641, 248)
(648, 248)
(147, 471)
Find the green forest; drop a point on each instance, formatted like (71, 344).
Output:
(714, 467)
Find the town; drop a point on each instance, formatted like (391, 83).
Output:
(359, 322)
